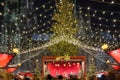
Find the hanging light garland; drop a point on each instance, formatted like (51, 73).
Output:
(110, 2)
(53, 7)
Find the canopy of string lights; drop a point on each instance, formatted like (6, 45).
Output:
(26, 25)
(32, 21)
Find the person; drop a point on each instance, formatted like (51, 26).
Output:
(26, 78)
(49, 77)
(60, 77)
(111, 75)
(15, 77)
(35, 77)
(93, 77)
(3, 75)
(6, 76)
(103, 77)
(73, 77)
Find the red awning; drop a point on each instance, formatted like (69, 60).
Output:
(116, 67)
(115, 54)
(10, 70)
(5, 59)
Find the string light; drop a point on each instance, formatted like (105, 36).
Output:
(104, 25)
(95, 11)
(36, 8)
(23, 15)
(86, 16)
(112, 2)
(103, 12)
(88, 8)
(114, 20)
(103, 1)
(0, 14)
(2, 4)
(100, 18)
(111, 13)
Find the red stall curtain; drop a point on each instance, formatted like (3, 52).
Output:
(64, 69)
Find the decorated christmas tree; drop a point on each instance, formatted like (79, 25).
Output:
(65, 24)
(92, 68)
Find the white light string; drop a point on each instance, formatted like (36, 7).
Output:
(103, 1)
(63, 38)
(30, 57)
(93, 55)
(99, 17)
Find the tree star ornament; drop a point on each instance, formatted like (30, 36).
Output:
(104, 46)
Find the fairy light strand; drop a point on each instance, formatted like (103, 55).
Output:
(112, 2)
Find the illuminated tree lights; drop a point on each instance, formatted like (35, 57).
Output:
(18, 23)
(65, 24)
(61, 32)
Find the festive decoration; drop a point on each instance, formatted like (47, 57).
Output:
(92, 68)
(104, 46)
(37, 70)
(65, 57)
(16, 50)
(63, 48)
(21, 19)
(65, 24)
(19, 22)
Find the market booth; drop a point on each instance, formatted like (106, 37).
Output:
(56, 66)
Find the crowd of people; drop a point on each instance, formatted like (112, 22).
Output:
(110, 76)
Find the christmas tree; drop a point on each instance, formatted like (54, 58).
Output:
(65, 24)
(92, 68)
